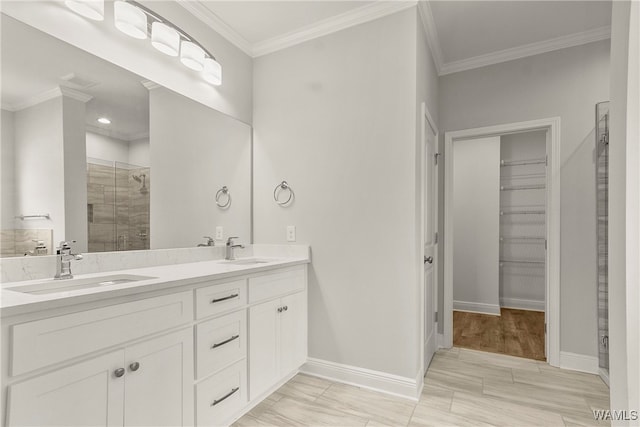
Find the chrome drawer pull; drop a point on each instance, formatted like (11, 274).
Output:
(215, 402)
(235, 337)
(213, 301)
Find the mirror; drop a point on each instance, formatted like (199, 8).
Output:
(94, 153)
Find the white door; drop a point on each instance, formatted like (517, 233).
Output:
(430, 237)
(263, 347)
(84, 394)
(159, 381)
(293, 332)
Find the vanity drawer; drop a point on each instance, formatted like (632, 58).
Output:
(217, 299)
(45, 342)
(220, 342)
(220, 397)
(273, 285)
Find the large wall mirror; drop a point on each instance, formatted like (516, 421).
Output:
(95, 153)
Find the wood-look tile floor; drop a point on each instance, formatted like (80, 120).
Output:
(462, 388)
(515, 332)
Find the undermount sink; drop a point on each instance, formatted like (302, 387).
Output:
(52, 286)
(247, 261)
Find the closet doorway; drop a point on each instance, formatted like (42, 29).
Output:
(501, 266)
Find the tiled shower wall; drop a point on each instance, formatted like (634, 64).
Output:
(118, 212)
(20, 242)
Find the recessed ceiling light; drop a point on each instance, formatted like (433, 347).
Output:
(104, 121)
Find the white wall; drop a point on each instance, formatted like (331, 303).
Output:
(476, 219)
(624, 209)
(566, 83)
(523, 285)
(107, 148)
(39, 166)
(7, 159)
(194, 152)
(116, 150)
(75, 173)
(139, 152)
(102, 39)
(336, 118)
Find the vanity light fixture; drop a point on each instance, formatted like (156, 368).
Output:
(192, 55)
(212, 71)
(129, 19)
(165, 39)
(92, 9)
(104, 121)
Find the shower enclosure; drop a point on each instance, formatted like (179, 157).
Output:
(117, 206)
(602, 200)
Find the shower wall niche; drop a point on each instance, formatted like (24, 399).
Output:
(117, 206)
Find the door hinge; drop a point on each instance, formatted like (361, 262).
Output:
(435, 318)
(546, 160)
(545, 328)
(435, 237)
(435, 158)
(545, 244)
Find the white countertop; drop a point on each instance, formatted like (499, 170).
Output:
(13, 302)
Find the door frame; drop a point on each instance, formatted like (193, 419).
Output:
(425, 119)
(552, 218)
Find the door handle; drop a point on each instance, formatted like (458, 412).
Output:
(428, 260)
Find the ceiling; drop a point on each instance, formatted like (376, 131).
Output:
(33, 69)
(462, 34)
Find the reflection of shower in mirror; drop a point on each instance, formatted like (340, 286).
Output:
(143, 179)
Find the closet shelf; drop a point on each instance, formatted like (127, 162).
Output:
(522, 187)
(523, 162)
(530, 212)
(520, 261)
(533, 238)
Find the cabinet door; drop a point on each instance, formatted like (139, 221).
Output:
(263, 347)
(293, 332)
(85, 394)
(159, 381)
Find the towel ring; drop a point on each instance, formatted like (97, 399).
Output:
(224, 191)
(279, 188)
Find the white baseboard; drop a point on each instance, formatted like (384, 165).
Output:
(579, 362)
(408, 388)
(477, 307)
(522, 304)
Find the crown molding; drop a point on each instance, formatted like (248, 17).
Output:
(331, 25)
(431, 33)
(200, 11)
(530, 49)
(41, 97)
(149, 85)
(75, 94)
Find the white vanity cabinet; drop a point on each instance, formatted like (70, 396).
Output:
(200, 354)
(277, 329)
(145, 384)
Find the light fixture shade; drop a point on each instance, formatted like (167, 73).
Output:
(212, 72)
(165, 39)
(192, 55)
(92, 9)
(130, 20)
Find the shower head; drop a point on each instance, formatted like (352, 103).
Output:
(143, 179)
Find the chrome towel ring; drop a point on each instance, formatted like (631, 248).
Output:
(279, 189)
(220, 196)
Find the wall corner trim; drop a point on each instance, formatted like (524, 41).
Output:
(579, 362)
(408, 388)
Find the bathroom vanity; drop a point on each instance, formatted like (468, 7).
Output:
(184, 344)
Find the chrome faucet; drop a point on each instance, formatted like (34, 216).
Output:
(229, 255)
(210, 242)
(63, 266)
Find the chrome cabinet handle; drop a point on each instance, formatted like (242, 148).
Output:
(226, 396)
(280, 309)
(428, 260)
(213, 301)
(285, 308)
(235, 337)
(134, 366)
(118, 372)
